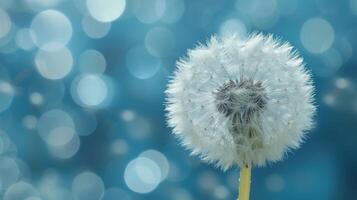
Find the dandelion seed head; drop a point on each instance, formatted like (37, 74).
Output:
(236, 102)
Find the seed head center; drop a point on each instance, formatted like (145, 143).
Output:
(240, 99)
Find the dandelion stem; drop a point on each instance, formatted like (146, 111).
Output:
(244, 182)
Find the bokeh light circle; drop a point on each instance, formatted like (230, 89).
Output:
(6, 95)
(142, 175)
(9, 172)
(52, 188)
(149, 11)
(68, 149)
(160, 159)
(233, 26)
(317, 35)
(20, 190)
(95, 29)
(265, 13)
(181, 194)
(7, 42)
(50, 121)
(260, 13)
(159, 42)
(36, 98)
(141, 64)
(174, 9)
(8, 148)
(342, 83)
(221, 192)
(51, 30)
(106, 10)
(30, 122)
(88, 186)
(92, 90)
(5, 22)
(24, 40)
(127, 115)
(55, 64)
(119, 147)
(60, 136)
(92, 61)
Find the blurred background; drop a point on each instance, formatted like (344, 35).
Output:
(82, 98)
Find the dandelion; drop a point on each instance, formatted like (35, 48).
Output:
(240, 102)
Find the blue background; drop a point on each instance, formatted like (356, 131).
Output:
(140, 51)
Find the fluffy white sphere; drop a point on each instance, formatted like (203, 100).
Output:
(241, 102)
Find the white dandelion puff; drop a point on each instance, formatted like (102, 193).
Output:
(241, 102)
